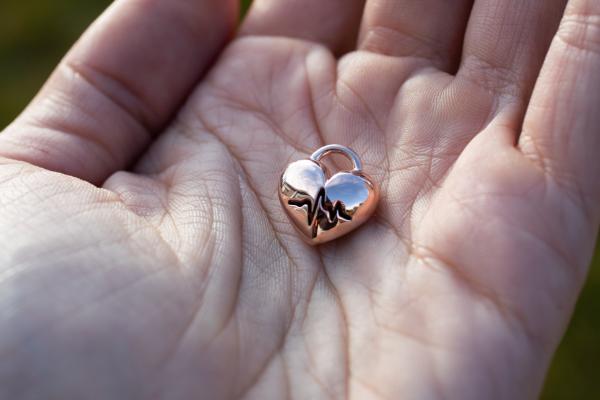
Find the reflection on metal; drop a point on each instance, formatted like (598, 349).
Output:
(322, 208)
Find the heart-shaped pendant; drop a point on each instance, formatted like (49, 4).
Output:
(324, 208)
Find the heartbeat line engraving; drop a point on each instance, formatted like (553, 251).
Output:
(323, 213)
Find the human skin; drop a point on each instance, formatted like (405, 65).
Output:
(144, 253)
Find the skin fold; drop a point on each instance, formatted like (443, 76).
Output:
(144, 253)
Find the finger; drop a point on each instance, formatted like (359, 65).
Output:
(506, 42)
(119, 84)
(562, 125)
(333, 23)
(430, 29)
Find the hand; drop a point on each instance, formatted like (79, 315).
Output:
(179, 276)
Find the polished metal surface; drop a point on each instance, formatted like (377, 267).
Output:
(339, 149)
(324, 207)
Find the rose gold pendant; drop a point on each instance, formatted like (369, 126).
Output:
(324, 207)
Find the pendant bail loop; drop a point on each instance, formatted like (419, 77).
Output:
(338, 149)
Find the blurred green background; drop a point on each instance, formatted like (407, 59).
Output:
(35, 33)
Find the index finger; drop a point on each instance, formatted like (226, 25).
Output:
(119, 85)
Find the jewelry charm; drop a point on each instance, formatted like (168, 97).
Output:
(324, 207)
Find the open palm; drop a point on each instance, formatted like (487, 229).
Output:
(182, 278)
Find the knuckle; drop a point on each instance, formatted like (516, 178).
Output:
(581, 30)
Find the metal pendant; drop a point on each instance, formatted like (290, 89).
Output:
(324, 207)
